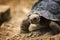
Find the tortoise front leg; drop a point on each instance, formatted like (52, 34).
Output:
(25, 26)
(55, 27)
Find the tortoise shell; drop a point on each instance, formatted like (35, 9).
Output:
(49, 9)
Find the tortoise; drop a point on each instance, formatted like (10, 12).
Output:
(44, 12)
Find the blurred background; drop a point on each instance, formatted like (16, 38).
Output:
(18, 11)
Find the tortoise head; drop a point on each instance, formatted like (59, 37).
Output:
(34, 18)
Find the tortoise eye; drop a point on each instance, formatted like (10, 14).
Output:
(34, 18)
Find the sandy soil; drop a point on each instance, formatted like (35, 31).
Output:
(11, 30)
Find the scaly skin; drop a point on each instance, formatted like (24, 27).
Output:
(24, 26)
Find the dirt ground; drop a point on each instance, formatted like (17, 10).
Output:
(19, 11)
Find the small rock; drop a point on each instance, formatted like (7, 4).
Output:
(4, 13)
